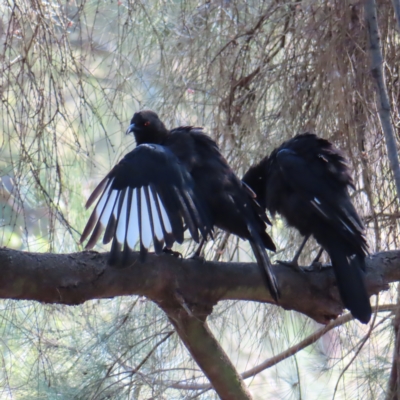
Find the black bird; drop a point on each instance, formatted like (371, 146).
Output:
(306, 180)
(175, 179)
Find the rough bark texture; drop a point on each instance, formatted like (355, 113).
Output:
(209, 355)
(75, 278)
(186, 290)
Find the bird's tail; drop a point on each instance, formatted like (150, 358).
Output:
(258, 240)
(265, 266)
(350, 281)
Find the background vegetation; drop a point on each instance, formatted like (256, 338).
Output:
(254, 74)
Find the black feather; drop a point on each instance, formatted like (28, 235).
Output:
(306, 180)
(191, 180)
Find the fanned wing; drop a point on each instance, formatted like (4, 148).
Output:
(148, 197)
(328, 196)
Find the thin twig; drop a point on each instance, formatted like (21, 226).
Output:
(209, 355)
(292, 350)
(396, 6)
(384, 104)
(357, 351)
(392, 392)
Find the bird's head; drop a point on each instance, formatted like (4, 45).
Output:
(147, 127)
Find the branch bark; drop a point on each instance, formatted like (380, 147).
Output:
(270, 362)
(186, 290)
(75, 278)
(209, 355)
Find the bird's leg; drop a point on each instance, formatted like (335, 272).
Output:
(316, 264)
(295, 261)
(222, 246)
(166, 250)
(196, 255)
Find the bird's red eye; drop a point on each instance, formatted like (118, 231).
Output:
(147, 123)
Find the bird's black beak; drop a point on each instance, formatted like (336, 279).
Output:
(130, 129)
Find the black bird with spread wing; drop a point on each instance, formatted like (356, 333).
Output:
(173, 180)
(306, 180)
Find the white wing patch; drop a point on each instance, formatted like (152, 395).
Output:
(158, 232)
(132, 233)
(148, 213)
(115, 210)
(121, 227)
(167, 224)
(105, 216)
(152, 214)
(102, 202)
(145, 234)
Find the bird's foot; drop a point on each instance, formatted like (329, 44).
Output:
(319, 266)
(166, 250)
(197, 257)
(315, 266)
(292, 264)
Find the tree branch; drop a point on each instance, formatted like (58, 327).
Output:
(309, 340)
(186, 290)
(75, 278)
(209, 355)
